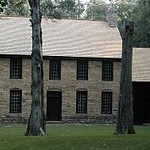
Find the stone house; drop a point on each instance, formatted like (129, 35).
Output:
(82, 63)
(81, 69)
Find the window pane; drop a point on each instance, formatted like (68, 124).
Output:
(107, 71)
(15, 101)
(15, 68)
(106, 107)
(82, 70)
(55, 70)
(81, 102)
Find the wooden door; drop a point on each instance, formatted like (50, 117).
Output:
(54, 102)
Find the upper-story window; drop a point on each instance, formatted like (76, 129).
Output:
(82, 70)
(15, 68)
(81, 102)
(15, 101)
(107, 70)
(106, 106)
(55, 70)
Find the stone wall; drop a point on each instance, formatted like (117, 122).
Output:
(68, 85)
(6, 84)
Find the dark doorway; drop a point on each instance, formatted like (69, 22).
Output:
(54, 100)
(141, 101)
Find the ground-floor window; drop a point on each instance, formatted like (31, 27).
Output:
(81, 102)
(106, 106)
(15, 101)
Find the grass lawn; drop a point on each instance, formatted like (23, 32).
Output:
(74, 137)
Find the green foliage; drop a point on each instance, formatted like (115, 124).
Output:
(138, 11)
(3, 4)
(74, 137)
(71, 8)
(49, 9)
(68, 7)
(62, 8)
(17, 7)
(125, 12)
(142, 24)
(96, 10)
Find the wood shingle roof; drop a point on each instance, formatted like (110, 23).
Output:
(70, 38)
(141, 65)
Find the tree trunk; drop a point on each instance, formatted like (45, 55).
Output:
(36, 123)
(125, 111)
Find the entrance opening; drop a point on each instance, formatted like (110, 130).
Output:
(141, 102)
(54, 102)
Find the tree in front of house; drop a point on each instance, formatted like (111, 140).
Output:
(125, 110)
(36, 122)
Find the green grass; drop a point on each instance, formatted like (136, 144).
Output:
(74, 137)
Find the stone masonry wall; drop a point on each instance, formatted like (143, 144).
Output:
(6, 84)
(68, 85)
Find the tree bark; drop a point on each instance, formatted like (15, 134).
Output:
(36, 123)
(125, 111)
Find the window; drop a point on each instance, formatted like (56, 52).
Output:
(106, 107)
(81, 102)
(55, 70)
(82, 70)
(15, 101)
(15, 68)
(107, 71)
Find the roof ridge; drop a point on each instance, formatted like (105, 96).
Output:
(21, 17)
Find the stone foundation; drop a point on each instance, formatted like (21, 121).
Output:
(92, 120)
(74, 120)
(10, 120)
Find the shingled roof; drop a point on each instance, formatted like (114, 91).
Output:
(71, 38)
(141, 65)
(66, 37)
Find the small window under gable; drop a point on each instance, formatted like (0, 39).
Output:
(15, 68)
(15, 101)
